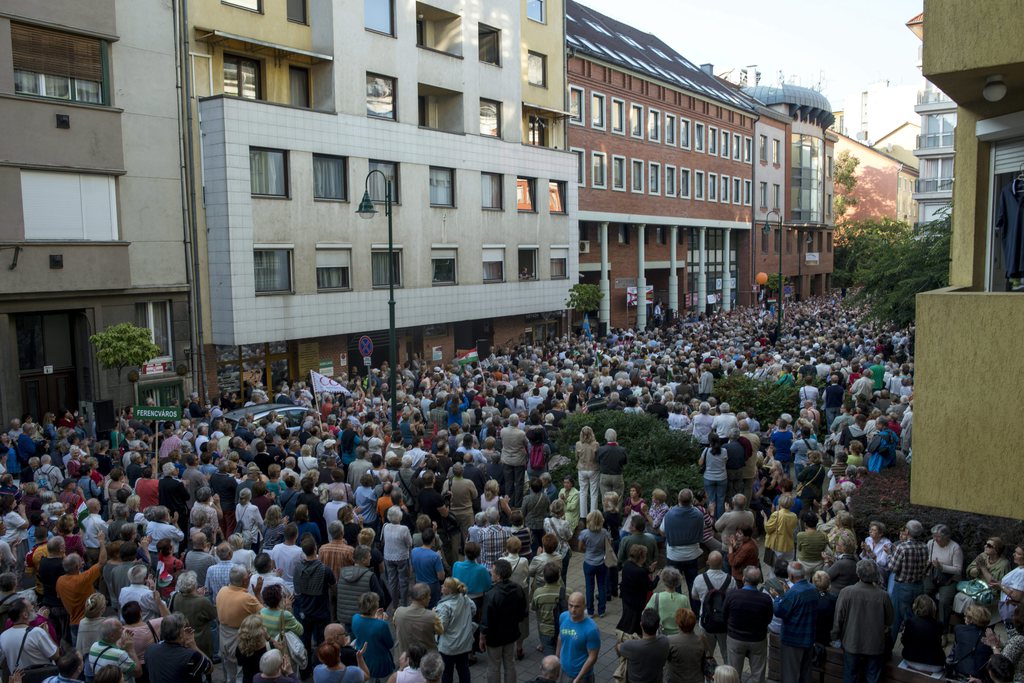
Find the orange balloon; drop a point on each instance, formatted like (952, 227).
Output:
(762, 278)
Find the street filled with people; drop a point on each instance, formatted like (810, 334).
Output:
(297, 532)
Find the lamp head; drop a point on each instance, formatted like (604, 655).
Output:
(767, 228)
(366, 208)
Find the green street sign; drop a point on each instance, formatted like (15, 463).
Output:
(156, 412)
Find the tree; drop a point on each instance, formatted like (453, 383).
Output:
(123, 346)
(893, 276)
(774, 284)
(584, 297)
(845, 179)
(858, 244)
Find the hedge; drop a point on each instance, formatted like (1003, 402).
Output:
(764, 400)
(885, 497)
(657, 457)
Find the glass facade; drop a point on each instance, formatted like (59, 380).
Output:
(806, 178)
(714, 263)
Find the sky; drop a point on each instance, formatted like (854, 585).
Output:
(843, 45)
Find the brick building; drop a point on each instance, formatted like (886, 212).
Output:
(665, 153)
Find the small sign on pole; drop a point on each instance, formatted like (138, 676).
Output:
(367, 361)
(156, 412)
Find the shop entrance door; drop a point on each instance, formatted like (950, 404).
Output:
(46, 363)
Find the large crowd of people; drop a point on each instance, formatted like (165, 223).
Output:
(338, 548)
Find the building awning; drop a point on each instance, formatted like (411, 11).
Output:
(557, 113)
(231, 40)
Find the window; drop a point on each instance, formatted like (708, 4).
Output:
(712, 187)
(526, 194)
(442, 186)
(725, 144)
(494, 264)
(712, 140)
(50, 63)
(828, 242)
(491, 195)
(698, 185)
(828, 166)
(538, 129)
(273, 270)
(748, 150)
(762, 148)
(329, 177)
(380, 96)
(684, 183)
(724, 194)
(242, 77)
(748, 187)
(377, 184)
(489, 43)
(333, 269)
(776, 193)
(379, 267)
(763, 194)
(737, 140)
(636, 120)
(660, 233)
(777, 240)
(68, 206)
(828, 205)
(619, 173)
(253, 5)
(670, 129)
(597, 111)
(268, 172)
(764, 240)
(490, 118)
(684, 133)
(535, 10)
(527, 263)
(156, 317)
(379, 16)
(556, 196)
(598, 170)
(576, 105)
(623, 233)
(581, 160)
(298, 86)
(698, 137)
(775, 151)
(670, 181)
(636, 173)
(537, 69)
(559, 263)
(442, 267)
(653, 125)
(618, 116)
(297, 11)
(654, 178)
(737, 197)
(789, 242)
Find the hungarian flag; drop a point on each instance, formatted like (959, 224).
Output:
(81, 513)
(467, 357)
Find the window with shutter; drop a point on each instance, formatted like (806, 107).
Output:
(49, 63)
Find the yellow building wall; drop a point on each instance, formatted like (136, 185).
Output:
(962, 36)
(968, 390)
(547, 39)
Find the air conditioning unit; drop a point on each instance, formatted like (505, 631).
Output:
(584, 246)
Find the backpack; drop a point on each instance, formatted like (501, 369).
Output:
(712, 608)
(537, 456)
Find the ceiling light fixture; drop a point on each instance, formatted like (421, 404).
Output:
(994, 89)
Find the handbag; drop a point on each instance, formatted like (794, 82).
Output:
(953, 664)
(296, 649)
(977, 590)
(36, 673)
(769, 556)
(610, 558)
(939, 577)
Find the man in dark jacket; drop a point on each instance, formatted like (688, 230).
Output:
(683, 528)
(797, 608)
(504, 607)
(611, 461)
(312, 580)
(174, 496)
(748, 612)
(353, 582)
(863, 613)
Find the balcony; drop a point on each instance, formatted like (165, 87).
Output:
(935, 140)
(933, 185)
(932, 97)
(438, 30)
(440, 109)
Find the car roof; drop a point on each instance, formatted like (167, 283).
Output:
(261, 409)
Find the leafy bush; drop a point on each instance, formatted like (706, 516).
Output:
(885, 497)
(764, 400)
(658, 458)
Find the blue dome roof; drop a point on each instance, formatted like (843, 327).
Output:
(813, 103)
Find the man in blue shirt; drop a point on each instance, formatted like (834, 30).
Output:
(426, 563)
(782, 441)
(797, 608)
(579, 642)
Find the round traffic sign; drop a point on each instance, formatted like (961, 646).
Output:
(365, 346)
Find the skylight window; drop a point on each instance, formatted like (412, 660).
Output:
(597, 27)
(660, 53)
(631, 41)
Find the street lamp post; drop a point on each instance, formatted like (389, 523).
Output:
(367, 210)
(781, 291)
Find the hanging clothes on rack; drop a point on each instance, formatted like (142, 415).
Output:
(1010, 220)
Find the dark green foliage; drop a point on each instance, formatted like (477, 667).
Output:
(658, 458)
(885, 497)
(764, 400)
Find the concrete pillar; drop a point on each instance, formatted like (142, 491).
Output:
(604, 313)
(673, 276)
(641, 279)
(726, 283)
(702, 273)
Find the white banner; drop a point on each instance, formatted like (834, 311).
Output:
(322, 383)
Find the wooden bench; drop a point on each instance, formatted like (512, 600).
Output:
(832, 671)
